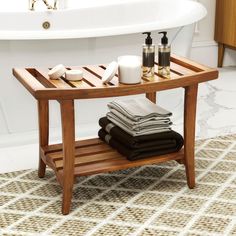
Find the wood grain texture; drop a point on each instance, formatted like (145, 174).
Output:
(68, 137)
(190, 105)
(27, 80)
(43, 122)
(152, 97)
(221, 52)
(91, 160)
(225, 22)
(125, 90)
(225, 26)
(183, 73)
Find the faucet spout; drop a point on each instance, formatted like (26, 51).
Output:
(47, 4)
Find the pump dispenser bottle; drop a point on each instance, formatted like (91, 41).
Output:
(164, 56)
(148, 57)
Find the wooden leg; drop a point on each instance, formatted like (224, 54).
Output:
(43, 119)
(221, 51)
(151, 96)
(68, 138)
(190, 105)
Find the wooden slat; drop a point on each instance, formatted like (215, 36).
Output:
(180, 70)
(92, 86)
(141, 88)
(94, 149)
(42, 75)
(97, 158)
(99, 70)
(96, 70)
(80, 84)
(162, 78)
(92, 79)
(188, 63)
(27, 80)
(80, 160)
(122, 163)
(78, 144)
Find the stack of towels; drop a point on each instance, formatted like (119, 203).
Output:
(138, 128)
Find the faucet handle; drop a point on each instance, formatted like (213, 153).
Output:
(55, 5)
(31, 5)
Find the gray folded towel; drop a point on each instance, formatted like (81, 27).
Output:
(153, 120)
(138, 109)
(139, 125)
(148, 130)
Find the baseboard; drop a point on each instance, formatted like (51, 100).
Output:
(206, 52)
(211, 43)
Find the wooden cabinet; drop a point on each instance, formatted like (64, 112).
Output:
(225, 26)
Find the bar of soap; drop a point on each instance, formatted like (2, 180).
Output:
(74, 75)
(57, 71)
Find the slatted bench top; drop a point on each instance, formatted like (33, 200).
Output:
(183, 73)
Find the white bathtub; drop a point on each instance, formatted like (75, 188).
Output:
(86, 35)
(93, 18)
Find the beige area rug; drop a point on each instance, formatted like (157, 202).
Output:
(151, 200)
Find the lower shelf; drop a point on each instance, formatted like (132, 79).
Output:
(93, 156)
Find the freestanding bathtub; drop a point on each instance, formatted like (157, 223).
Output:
(88, 33)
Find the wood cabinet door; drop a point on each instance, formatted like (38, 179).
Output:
(225, 28)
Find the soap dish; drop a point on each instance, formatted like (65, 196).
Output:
(110, 72)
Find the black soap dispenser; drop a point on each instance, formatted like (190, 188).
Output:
(164, 56)
(148, 57)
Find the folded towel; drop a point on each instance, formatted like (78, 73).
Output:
(137, 125)
(149, 125)
(138, 109)
(149, 130)
(139, 153)
(142, 141)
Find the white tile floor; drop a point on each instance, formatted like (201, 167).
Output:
(216, 115)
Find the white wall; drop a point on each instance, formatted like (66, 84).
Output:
(203, 42)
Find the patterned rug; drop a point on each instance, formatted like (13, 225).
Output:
(151, 200)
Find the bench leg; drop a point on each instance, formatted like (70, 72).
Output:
(221, 52)
(190, 105)
(151, 96)
(68, 139)
(43, 119)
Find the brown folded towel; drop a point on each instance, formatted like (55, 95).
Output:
(144, 152)
(142, 141)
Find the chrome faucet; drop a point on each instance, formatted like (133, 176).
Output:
(32, 3)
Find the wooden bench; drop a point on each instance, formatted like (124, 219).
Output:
(76, 158)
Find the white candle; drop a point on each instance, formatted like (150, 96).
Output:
(130, 69)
